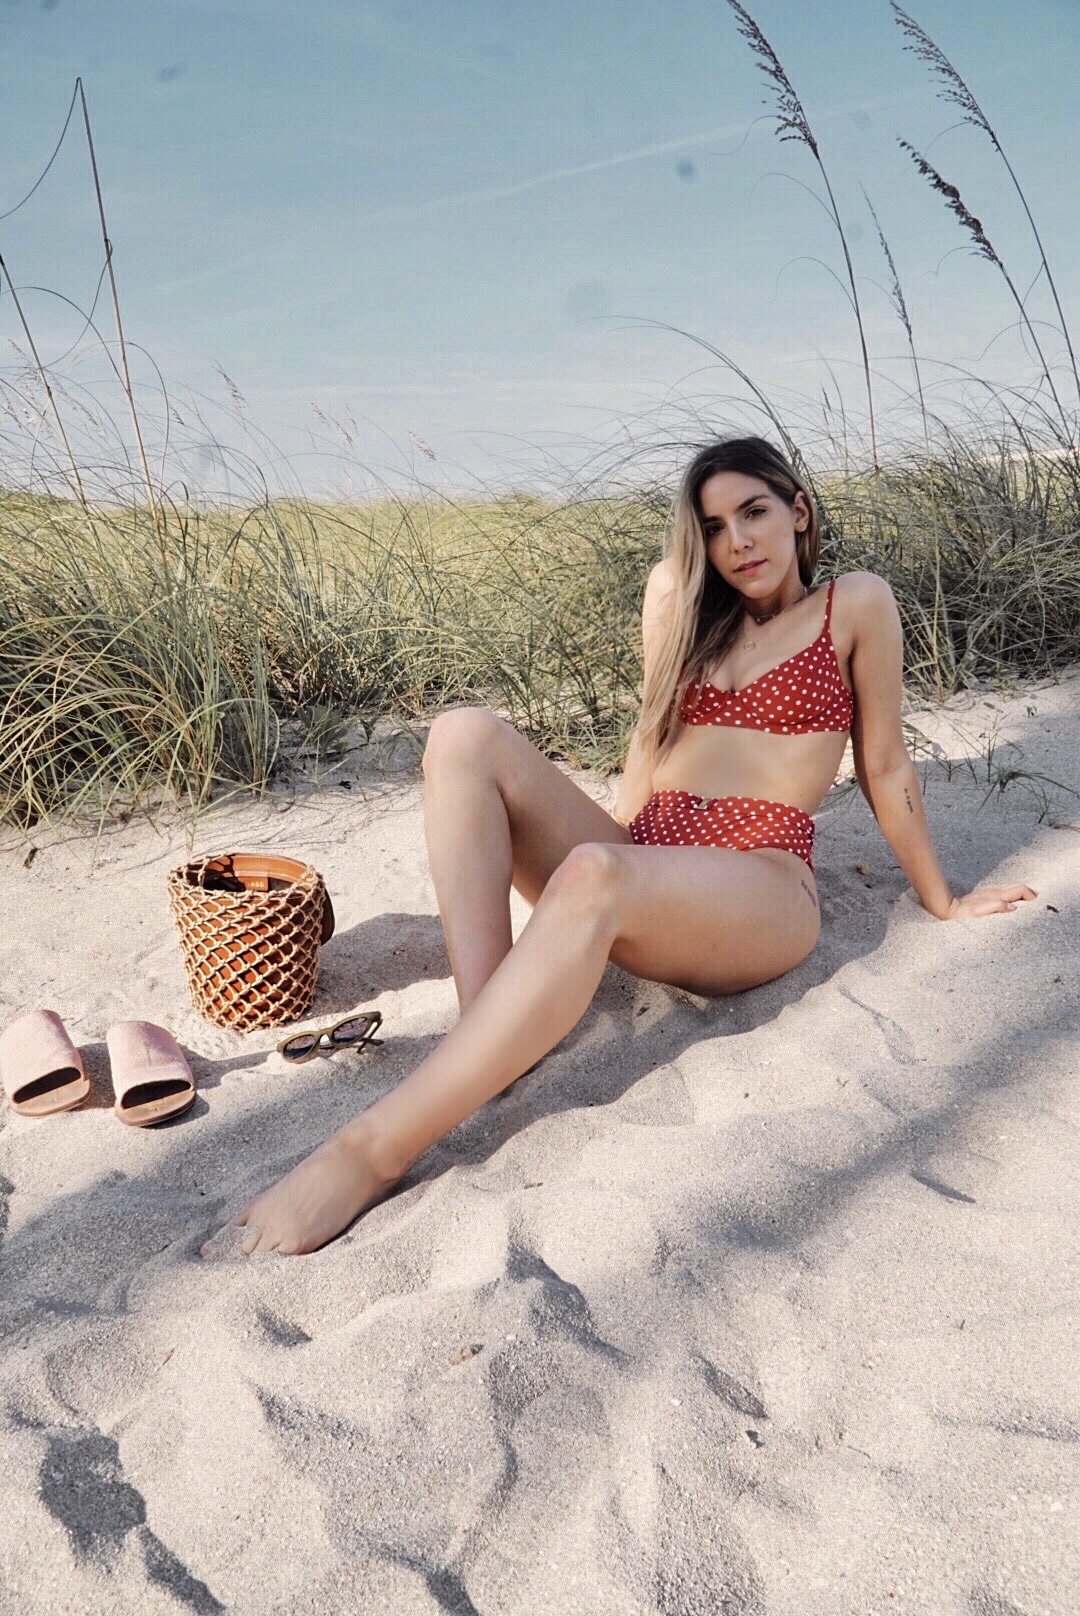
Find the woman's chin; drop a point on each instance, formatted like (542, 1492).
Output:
(749, 583)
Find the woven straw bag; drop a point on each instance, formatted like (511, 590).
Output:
(250, 928)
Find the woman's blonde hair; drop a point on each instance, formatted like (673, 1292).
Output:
(702, 612)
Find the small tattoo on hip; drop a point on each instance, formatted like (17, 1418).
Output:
(808, 891)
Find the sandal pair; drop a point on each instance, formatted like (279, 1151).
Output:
(43, 1072)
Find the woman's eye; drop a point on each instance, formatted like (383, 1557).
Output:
(756, 510)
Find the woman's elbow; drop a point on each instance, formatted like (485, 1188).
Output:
(886, 764)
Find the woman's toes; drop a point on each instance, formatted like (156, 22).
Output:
(251, 1239)
(224, 1244)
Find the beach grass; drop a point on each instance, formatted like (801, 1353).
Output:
(128, 676)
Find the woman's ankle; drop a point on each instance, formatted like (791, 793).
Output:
(384, 1155)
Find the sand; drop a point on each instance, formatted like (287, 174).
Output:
(758, 1305)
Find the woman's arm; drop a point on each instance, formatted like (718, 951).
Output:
(636, 787)
(883, 766)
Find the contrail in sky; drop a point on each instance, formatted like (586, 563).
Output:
(495, 193)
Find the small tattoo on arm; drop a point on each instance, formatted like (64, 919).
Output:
(907, 799)
(808, 892)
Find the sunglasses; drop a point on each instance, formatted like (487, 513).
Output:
(352, 1033)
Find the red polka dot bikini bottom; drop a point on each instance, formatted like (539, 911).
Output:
(680, 819)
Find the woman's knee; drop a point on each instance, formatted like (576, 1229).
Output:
(464, 732)
(589, 878)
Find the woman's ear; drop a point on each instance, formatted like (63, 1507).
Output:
(802, 512)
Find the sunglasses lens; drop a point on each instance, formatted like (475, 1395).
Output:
(352, 1032)
(301, 1045)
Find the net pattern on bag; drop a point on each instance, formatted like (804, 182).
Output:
(251, 957)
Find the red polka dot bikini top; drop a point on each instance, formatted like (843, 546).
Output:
(804, 693)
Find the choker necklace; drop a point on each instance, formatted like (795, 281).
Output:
(760, 621)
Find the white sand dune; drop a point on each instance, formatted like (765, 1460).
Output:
(761, 1306)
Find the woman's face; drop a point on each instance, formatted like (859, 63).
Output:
(750, 532)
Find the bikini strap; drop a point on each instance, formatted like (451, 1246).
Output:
(828, 603)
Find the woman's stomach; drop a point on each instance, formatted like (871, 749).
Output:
(715, 760)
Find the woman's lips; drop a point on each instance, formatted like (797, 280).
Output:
(751, 566)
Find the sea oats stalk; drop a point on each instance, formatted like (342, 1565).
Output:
(44, 378)
(899, 303)
(954, 89)
(984, 248)
(793, 124)
(155, 506)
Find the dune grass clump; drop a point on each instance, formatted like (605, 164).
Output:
(125, 677)
(981, 546)
(113, 684)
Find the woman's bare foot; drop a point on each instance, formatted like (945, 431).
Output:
(320, 1197)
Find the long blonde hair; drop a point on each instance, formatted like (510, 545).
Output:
(702, 611)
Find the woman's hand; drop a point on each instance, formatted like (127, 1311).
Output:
(989, 901)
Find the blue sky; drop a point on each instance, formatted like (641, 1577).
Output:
(464, 225)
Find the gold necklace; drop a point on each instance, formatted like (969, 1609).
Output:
(760, 621)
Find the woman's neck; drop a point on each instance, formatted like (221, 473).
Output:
(763, 609)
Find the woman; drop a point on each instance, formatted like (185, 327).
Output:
(703, 878)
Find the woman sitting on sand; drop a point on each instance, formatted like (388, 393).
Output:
(703, 878)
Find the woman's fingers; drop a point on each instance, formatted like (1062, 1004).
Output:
(997, 900)
(1010, 896)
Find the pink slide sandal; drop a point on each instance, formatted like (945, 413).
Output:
(150, 1077)
(41, 1069)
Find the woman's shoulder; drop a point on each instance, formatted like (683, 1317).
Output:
(659, 588)
(661, 579)
(862, 586)
(864, 598)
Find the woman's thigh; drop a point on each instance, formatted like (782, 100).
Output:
(713, 919)
(549, 815)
